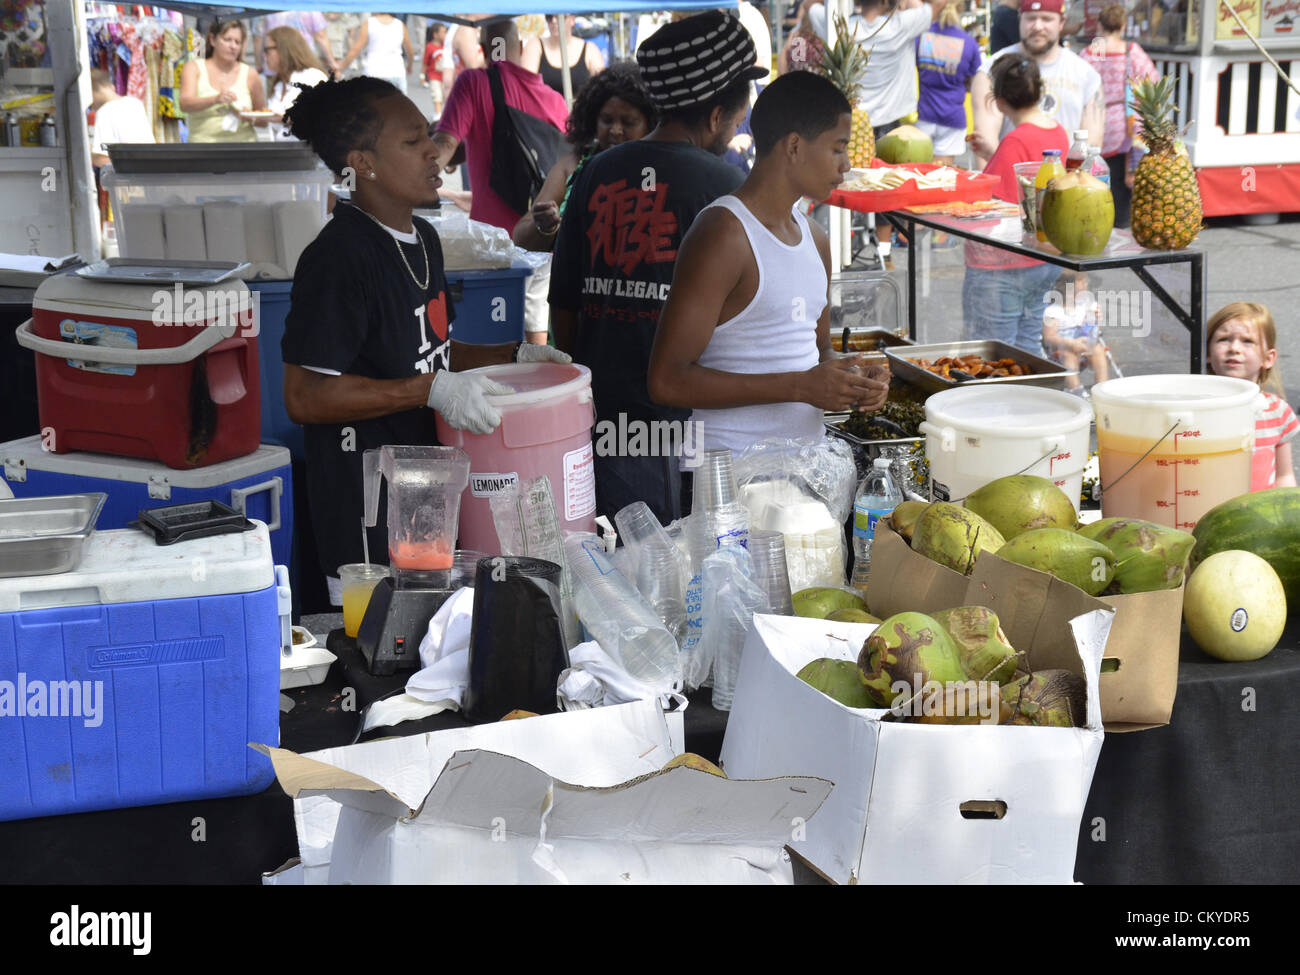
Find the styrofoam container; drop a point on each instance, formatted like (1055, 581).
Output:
(908, 799)
(976, 434)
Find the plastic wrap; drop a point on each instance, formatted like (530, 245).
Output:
(470, 245)
(731, 594)
(822, 468)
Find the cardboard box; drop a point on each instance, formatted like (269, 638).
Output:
(565, 798)
(1139, 677)
(916, 803)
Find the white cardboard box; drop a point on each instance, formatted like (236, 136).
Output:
(564, 798)
(896, 813)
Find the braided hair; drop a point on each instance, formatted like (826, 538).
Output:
(622, 79)
(335, 117)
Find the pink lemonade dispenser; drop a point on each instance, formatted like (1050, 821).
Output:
(545, 428)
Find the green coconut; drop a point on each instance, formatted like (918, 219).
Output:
(905, 144)
(1021, 503)
(1078, 213)
(911, 648)
(1068, 556)
(986, 653)
(1046, 699)
(838, 680)
(954, 536)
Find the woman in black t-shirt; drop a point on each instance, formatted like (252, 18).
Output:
(368, 346)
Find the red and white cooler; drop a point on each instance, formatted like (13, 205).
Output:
(157, 370)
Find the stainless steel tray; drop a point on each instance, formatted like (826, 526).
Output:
(155, 271)
(42, 536)
(868, 339)
(1043, 372)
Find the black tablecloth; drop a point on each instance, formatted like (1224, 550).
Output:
(1210, 799)
(1213, 796)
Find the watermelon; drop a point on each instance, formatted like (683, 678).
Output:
(1264, 522)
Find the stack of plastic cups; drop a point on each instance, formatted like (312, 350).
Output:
(768, 552)
(722, 519)
(464, 566)
(659, 573)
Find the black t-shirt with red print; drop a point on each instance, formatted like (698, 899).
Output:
(357, 309)
(627, 213)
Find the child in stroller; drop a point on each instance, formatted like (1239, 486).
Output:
(1072, 330)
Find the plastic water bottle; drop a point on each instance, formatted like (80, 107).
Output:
(877, 497)
(618, 617)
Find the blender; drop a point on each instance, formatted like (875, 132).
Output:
(424, 489)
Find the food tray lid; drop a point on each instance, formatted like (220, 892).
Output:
(198, 157)
(156, 271)
(182, 522)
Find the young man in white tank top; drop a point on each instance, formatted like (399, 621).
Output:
(744, 339)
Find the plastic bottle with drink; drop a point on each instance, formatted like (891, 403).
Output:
(1088, 158)
(877, 498)
(1048, 171)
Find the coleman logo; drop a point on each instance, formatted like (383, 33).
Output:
(487, 485)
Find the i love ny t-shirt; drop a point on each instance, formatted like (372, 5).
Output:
(357, 309)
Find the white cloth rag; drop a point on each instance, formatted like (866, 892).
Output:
(594, 680)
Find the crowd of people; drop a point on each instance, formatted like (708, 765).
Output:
(684, 270)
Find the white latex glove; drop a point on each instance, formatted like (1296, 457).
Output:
(528, 352)
(459, 397)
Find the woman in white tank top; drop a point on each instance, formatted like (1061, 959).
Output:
(387, 50)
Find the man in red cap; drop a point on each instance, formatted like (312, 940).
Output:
(1072, 88)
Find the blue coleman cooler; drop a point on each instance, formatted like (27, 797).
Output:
(141, 675)
(257, 485)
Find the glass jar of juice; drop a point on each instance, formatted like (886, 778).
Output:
(1049, 170)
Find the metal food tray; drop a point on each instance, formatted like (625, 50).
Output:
(42, 536)
(866, 451)
(1043, 372)
(170, 158)
(868, 339)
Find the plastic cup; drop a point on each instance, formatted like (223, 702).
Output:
(767, 549)
(359, 581)
(463, 567)
(1026, 195)
(659, 578)
(715, 480)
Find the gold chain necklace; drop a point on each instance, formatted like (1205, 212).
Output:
(422, 285)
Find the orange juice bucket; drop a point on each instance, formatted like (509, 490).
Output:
(1172, 447)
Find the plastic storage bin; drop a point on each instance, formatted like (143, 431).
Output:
(156, 667)
(266, 218)
(489, 305)
(259, 485)
(272, 310)
(120, 369)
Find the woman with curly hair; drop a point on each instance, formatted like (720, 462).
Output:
(611, 108)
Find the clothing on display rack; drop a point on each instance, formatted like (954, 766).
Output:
(142, 49)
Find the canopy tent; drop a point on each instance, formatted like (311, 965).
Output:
(449, 9)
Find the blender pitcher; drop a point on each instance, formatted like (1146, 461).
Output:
(424, 490)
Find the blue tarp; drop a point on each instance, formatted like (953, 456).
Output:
(452, 8)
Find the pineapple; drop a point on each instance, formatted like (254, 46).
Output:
(1166, 199)
(843, 64)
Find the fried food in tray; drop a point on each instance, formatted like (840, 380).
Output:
(957, 368)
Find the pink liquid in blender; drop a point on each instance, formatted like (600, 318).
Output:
(420, 554)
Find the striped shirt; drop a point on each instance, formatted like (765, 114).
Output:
(1276, 426)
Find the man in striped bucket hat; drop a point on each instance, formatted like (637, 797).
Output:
(628, 210)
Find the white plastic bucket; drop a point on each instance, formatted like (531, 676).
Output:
(976, 434)
(545, 429)
(1171, 447)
